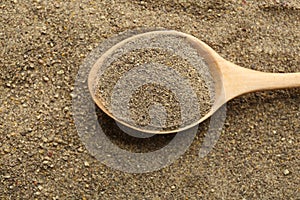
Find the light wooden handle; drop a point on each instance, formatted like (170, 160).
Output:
(238, 80)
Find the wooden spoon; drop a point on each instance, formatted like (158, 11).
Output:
(230, 79)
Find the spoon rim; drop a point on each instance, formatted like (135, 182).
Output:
(209, 55)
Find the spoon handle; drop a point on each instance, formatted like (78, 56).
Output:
(239, 80)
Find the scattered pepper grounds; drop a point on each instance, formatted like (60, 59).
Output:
(44, 43)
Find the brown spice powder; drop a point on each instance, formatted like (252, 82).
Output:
(152, 94)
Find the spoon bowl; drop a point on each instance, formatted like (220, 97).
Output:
(230, 80)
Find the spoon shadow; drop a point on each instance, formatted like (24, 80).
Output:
(127, 141)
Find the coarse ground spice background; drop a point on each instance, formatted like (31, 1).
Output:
(43, 43)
